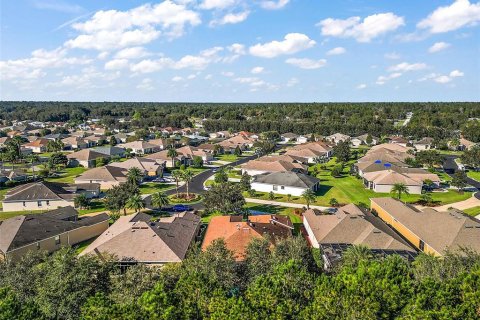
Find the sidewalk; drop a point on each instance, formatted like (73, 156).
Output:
(283, 204)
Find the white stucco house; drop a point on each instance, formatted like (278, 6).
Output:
(292, 183)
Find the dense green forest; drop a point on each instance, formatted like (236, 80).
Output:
(283, 283)
(438, 120)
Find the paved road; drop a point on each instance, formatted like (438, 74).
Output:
(450, 167)
(196, 186)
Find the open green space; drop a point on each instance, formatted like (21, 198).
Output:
(228, 157)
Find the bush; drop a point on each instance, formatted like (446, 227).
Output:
(10, 183)
(182, 198)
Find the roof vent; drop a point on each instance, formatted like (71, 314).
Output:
(378, 161)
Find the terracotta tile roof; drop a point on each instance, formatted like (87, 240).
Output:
(238, 234)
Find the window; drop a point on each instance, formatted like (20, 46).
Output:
(24, 204)
(421, 245)
(275, 188)
(282, 187)
(57, 239)
(48, 202)
(39, 203)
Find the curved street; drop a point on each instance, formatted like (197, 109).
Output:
(450, 167)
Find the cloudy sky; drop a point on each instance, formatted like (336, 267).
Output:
(240, 50)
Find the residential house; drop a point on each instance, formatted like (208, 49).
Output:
(237, 233)
(398, 140)
(220, 135)
(44, 195)
(191, 152)
(162, 157)
(311, 151)
(465, 144)
(362, 140)
(111, 151)
(303, 139)
(37, 146)
(12, 175)
(351, 225)
(337, 138)
(230, 144)
(138, 238)
(3, 141)
(74, 143)
(149, 167)
(289, 137)
(86, 158)
(47, 231)
(95, 140)
(140, 147)
(431, 231)
(121, 137)
(384, 181)
(423, 144)
(292, 183)
(56, 136)
(161, 143)
(258, 166)
(107, 176)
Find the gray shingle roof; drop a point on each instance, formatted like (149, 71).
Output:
(291, 179)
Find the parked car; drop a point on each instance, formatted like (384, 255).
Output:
(215, 170)
(159, 180)
(181, 207)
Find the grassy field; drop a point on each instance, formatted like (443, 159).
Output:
(95, 206)
(474, 175)
(6, 215)
(475, 211)
(227, 157)
(67, 175)
(152, 187)
(348, 189)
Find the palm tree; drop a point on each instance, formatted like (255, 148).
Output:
(309, 197)
(160, 199)
(134, 175)
(177, 176)
(398, 189)
(187, 176)
(135, 202)
(354, 254)
(172, 153)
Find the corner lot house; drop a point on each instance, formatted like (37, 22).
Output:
(351, 225)
(383, 181)
(258, 166)
(429, 230)
(137, 237)
(292, 183)
(47, 231)
(149, 167)
(237, 234)
(46, 195)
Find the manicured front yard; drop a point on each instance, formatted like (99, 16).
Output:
(227, 157)
(474, 175)
(67, 175)
(6, 215)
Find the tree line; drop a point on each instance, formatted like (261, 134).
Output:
(286, 282)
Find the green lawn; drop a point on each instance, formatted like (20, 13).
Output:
(348, 189)
(475, 211)
(95, 206)
(153, 187)
(6, 215)
(474, 175)
(227, 157)
(443, 176)
(67, 175)
(79, 247)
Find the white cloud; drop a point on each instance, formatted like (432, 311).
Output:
(456, 73)
(439, 78)
(237, 48)
(33, 67)
(191, 76)
(292, 43)
(257, 70)
(57, 5)
(363, 31)
(361, 86)
(442, 79)
(146, 84)
(292, 82)
(216, 4)
(148, 66)
(336, 51)
(438, 46)
(274, 5)
(113, 29)
(116, 64)
(305, 63)
(132, 53)
(231, 18)
(405, 66)
(208, 77)
(227, 73)
(392, 56)
(459, 14)
(382, 79)
(177, 79)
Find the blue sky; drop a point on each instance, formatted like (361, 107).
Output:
(240, 50)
